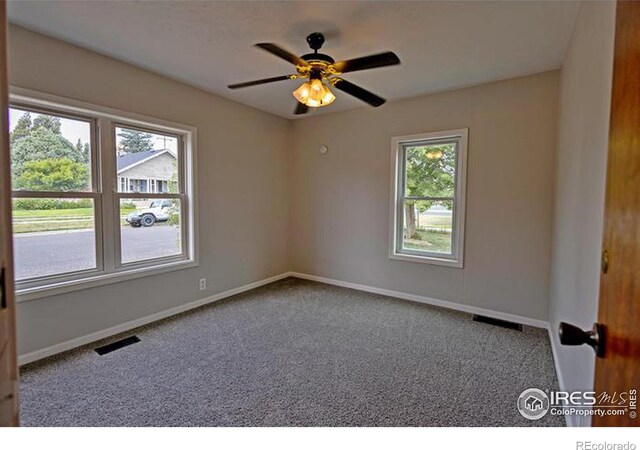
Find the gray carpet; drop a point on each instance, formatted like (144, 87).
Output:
(298, 353)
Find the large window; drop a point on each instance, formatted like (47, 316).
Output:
(97, 196)
(429, 172)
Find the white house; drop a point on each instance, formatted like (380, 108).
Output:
(152, 171)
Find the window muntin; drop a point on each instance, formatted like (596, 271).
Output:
(100, 218)
(428, 206)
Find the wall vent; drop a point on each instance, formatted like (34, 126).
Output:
(498, 322)
(117, 345)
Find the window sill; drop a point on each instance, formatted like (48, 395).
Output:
(99, 279)
(427, 260)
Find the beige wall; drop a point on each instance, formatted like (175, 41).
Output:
(585, 95)
(243, 185)
(340, 201)
(294, 209)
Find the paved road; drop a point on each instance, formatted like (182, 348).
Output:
(49, 253)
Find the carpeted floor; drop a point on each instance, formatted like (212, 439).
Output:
(298, 353)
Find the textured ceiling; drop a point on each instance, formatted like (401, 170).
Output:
(442, 45)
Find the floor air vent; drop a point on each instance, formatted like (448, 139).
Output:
(116, 345)
(498, 322)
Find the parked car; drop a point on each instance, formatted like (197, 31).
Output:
(158, 211)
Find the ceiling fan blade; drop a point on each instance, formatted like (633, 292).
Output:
(263, 81)
(301, 108)
(284, 54)
(367, 62)
(358, 92)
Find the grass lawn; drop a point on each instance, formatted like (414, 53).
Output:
(33, 221)
(433, 233)
(430, 241)
(430, 221)
(51, 213)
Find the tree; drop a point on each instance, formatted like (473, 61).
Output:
(50, 123)
(60, 174)
(133, 141)
(38, 149)
(430, 172)
(22, 128)
(41, 143)
(83, 149)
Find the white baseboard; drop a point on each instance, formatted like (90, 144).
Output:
(93, 337)
(427, 300)
(572, 421)
(556, 360)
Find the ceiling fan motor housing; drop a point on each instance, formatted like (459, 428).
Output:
(310, 57)
(315, 41)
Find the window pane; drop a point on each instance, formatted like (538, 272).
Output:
(150, 229)
(49, 153)
(428, 226)
(53, 236)
(147, 162)
(430, 170)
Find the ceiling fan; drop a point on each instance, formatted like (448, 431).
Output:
(321, 70)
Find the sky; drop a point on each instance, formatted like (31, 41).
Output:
(73, 130)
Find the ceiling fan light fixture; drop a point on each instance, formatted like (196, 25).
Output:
(314, 93)
(302, 93)
(321, 71)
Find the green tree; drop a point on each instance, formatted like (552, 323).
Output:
(83, 149)
(134, 141)
(60, 174)
(174, 211)
(41, 143)
(50, 123)
(430, 172)
(22, 128)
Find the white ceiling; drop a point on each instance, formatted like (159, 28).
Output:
(442, 45)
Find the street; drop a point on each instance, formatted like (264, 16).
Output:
(49, 253)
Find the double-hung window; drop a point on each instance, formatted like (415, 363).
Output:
(87, 204)
(428, 197)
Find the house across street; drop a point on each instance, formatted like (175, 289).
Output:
(151, 171)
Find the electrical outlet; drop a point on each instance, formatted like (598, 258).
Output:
(203, 284)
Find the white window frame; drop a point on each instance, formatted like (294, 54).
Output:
(139, 194)
(398, 144)
(109, 268)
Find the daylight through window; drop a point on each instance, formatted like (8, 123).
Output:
(68, 222)
(428, 206)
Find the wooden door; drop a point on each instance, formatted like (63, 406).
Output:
(619, 307)
(8, 363)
